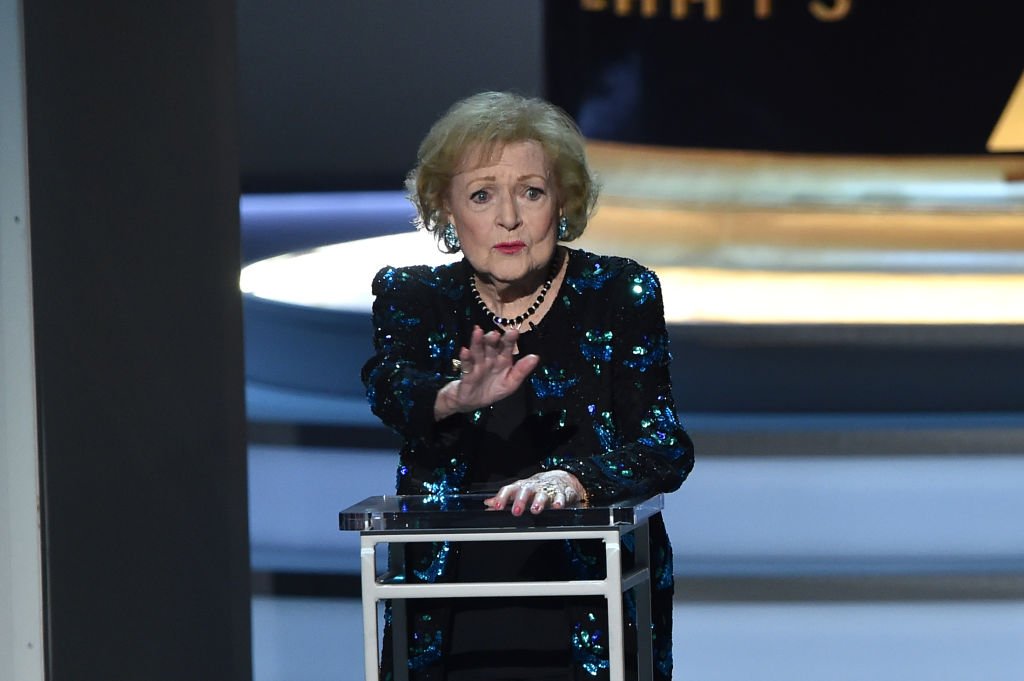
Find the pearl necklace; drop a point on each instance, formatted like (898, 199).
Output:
(517, 322)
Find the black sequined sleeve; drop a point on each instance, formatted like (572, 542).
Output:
(401, 378)
(647, 451)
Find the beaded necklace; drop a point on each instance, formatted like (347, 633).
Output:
(517, 322)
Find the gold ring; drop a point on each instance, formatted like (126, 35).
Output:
(549, 489)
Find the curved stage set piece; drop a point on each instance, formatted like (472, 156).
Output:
(783, 277)
(803, 325)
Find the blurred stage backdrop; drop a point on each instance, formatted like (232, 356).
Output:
(832, 192)
(832, 76)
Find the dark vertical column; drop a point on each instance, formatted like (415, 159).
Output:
(135, 252)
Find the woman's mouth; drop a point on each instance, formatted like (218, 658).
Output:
(510, 247)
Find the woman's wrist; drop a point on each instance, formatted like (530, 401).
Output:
(447, 402)
(571, 482)
(580, 490)
(444, 403)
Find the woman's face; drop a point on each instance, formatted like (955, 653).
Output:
(505, 214)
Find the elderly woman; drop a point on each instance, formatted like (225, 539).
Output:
(529, 371)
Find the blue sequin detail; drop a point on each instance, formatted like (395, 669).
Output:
(401, 317)
(425, 647)
(403, 395)
(660, 425)
(594, 278)
(388, 276)
(588, 648)
(652, 352)
(402, 471)
(441, 344)
(596, 346)
(435, 570)
(432, 277)
(664, 577)
(446, 483)
(618, 470)
(643, 286)
(605, 430)
(551, 382)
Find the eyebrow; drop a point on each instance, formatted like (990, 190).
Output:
(521, 178)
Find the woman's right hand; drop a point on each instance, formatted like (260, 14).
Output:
(490, 373)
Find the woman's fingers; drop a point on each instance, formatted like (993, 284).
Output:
(485, 349)
(489, 369)
(525, 494)
(541, 499)
(544, 490)
(522, 499)
(503, 497)
(521, 369)
(476, 345)
(519, 494)
(508, 342)
(492, 346)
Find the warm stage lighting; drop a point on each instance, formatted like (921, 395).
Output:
(338, 277)
(760, 238)
(760, 297)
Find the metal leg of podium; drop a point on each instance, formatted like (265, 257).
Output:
(399, 620)
(368, 577)
(400, 639)
(613, 595)
(642, 593)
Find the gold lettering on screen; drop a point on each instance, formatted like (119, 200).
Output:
(712, 9)
(624, 8)
(822, 10)
(834, 10)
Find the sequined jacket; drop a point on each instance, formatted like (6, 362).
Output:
(602, 389)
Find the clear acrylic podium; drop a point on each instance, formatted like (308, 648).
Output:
(463, 518)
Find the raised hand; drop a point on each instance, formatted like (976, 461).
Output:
(490, 373)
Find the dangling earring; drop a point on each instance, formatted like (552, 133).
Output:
(563, 228)
(450, 238)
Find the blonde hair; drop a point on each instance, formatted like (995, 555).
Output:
(489, 121)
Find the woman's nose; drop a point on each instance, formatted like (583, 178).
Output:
(508, 214)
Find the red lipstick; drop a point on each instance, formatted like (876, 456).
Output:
(510, 247)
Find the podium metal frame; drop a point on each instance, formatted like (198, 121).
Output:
(620, 520)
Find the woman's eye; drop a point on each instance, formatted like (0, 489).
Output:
(479, 196)
(534, 193)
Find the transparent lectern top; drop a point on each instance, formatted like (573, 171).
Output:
(467, 511)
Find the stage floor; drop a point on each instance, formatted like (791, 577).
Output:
(298, 639)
